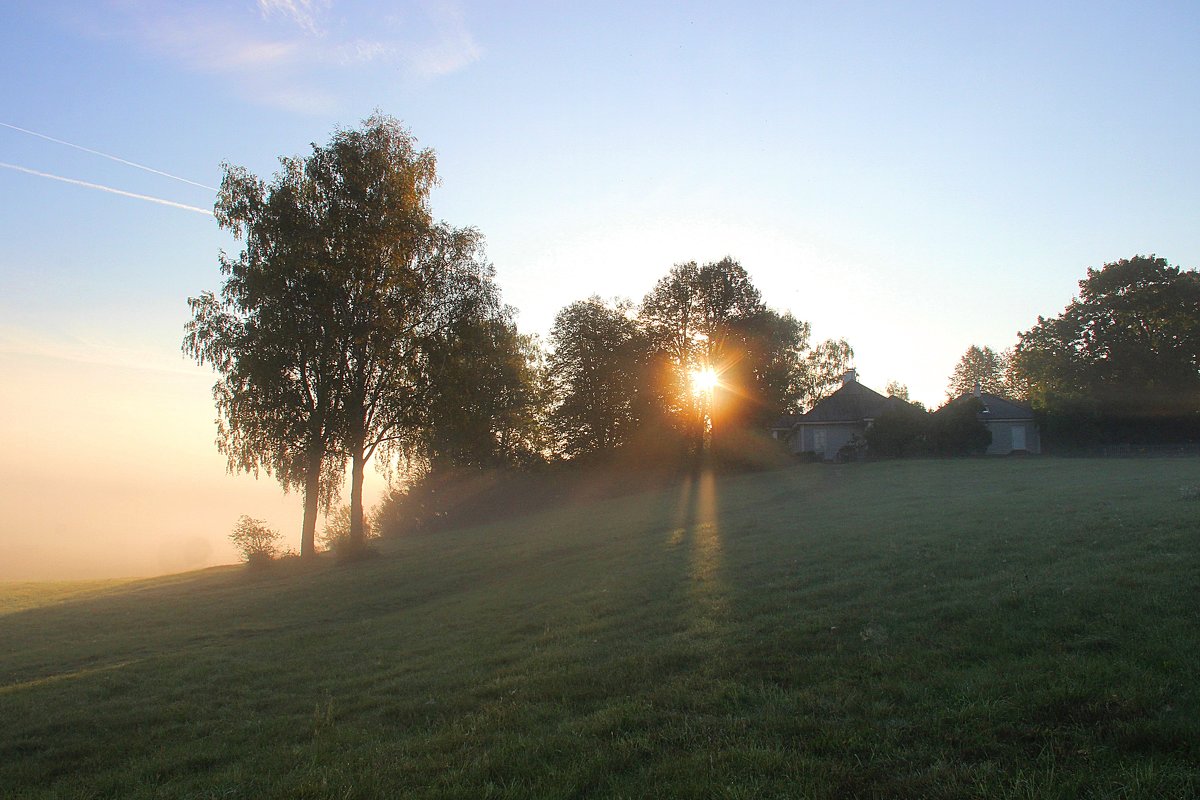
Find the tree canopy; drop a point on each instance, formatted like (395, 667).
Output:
(979, 368)
(1126, 349)
(331, 333)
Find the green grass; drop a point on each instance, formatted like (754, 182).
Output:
(983, 628)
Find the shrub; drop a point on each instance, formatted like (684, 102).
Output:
(337, 529)
(258, 543)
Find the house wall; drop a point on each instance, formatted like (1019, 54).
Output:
(807, 438)
(1002, 437)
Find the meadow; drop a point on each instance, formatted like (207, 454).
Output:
(992, 628)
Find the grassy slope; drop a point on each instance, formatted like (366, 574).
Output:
(992, 628)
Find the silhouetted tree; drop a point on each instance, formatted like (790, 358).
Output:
(1123, 356)
(900, 431)
(823, 369)
(696, 318)
(488, 394)
(980, 367)
(331, 320)
(404, 280)
(594, 368)
(270, 338)
(956, 430)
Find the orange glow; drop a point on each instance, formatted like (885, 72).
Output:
(704, 380)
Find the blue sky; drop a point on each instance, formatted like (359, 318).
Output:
(913, 177)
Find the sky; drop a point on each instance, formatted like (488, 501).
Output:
(912, 177)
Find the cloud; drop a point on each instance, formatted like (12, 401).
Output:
(451, 49)
(299, 55)
(302, 12)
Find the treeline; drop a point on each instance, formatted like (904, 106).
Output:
(1119, 366)
(354, 326)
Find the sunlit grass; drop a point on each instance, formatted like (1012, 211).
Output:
(985, 628)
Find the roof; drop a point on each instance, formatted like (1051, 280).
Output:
(785, 422)
(851, 403)
(996, 407)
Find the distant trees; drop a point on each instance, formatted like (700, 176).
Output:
(980, 367)
(897, 389)
(615, 372)
(1122, 361)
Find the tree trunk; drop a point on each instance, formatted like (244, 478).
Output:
(312, 491)
(358, 539)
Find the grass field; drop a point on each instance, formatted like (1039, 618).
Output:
(982, 628)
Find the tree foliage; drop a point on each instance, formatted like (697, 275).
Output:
(1122, 361)
(335, 333)
(979, 367)
(597, 359)
(488, 397)
(257, 542)
(269, 337)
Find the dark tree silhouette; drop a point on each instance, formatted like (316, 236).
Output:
(595, 364)
(270, 338)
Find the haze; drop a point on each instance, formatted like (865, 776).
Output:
(915, 179)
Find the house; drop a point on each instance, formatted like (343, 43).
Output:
(844, 416)
(835, 421)
(1011, 424)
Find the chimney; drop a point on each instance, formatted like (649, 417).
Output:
(849, 377)
(977, 388)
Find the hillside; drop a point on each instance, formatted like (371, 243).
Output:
(981, 628)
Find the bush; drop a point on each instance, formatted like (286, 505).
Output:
(901, 431)
(336, 534)
(258, 543)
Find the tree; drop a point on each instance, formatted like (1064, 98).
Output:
(767, 374)
(1124, 356)
(898, 390)
(979, 367)
(695, 317)
(823, 369)
(488, 394)
(269, 337)
(327, 331)
(595, 362)
(902, 430)
(403, 280)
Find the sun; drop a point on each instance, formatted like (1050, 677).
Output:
(704, 380)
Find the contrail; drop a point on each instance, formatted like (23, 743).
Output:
(106, 155)
(121, 192)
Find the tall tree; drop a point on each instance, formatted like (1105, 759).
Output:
(823, 368)
(1128, 345)
(696, 317)
(269, 338)
(595, 361)
(403, 279)
(979, 366)
(488, 393)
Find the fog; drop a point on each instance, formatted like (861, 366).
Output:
(110, 470)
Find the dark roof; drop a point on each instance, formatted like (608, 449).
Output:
(851, 403)
(997, 407)
(785, 422)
